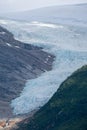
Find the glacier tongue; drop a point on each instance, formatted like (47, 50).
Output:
(38, 91)
(67, 43)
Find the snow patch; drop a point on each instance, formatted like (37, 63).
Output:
(2, 33)
(8, 44)
(3, 22)
(35, 23)
(17, 46)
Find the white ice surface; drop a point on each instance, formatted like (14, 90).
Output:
(71, 14)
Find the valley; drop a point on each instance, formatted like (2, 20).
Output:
(43, 85)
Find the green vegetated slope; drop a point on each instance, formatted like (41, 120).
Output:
(67, 110)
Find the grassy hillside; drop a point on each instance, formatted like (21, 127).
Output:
(67, 110)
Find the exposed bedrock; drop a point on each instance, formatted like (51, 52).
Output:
(18, 63)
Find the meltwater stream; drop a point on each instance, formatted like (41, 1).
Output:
(67, 43)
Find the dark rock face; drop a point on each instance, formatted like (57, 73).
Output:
(18, 63)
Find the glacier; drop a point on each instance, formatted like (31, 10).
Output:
(67, 42)
(65, 14)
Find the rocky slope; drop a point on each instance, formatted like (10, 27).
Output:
(18, 63)
(67, 110)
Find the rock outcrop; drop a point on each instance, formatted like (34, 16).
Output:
(18, 63)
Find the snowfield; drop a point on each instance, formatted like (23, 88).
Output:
(67, 14)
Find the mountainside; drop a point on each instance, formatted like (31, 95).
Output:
(67, 109)
(59, 33)
(68, 14)
(18, 63)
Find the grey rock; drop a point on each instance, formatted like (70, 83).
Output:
(18, 63)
